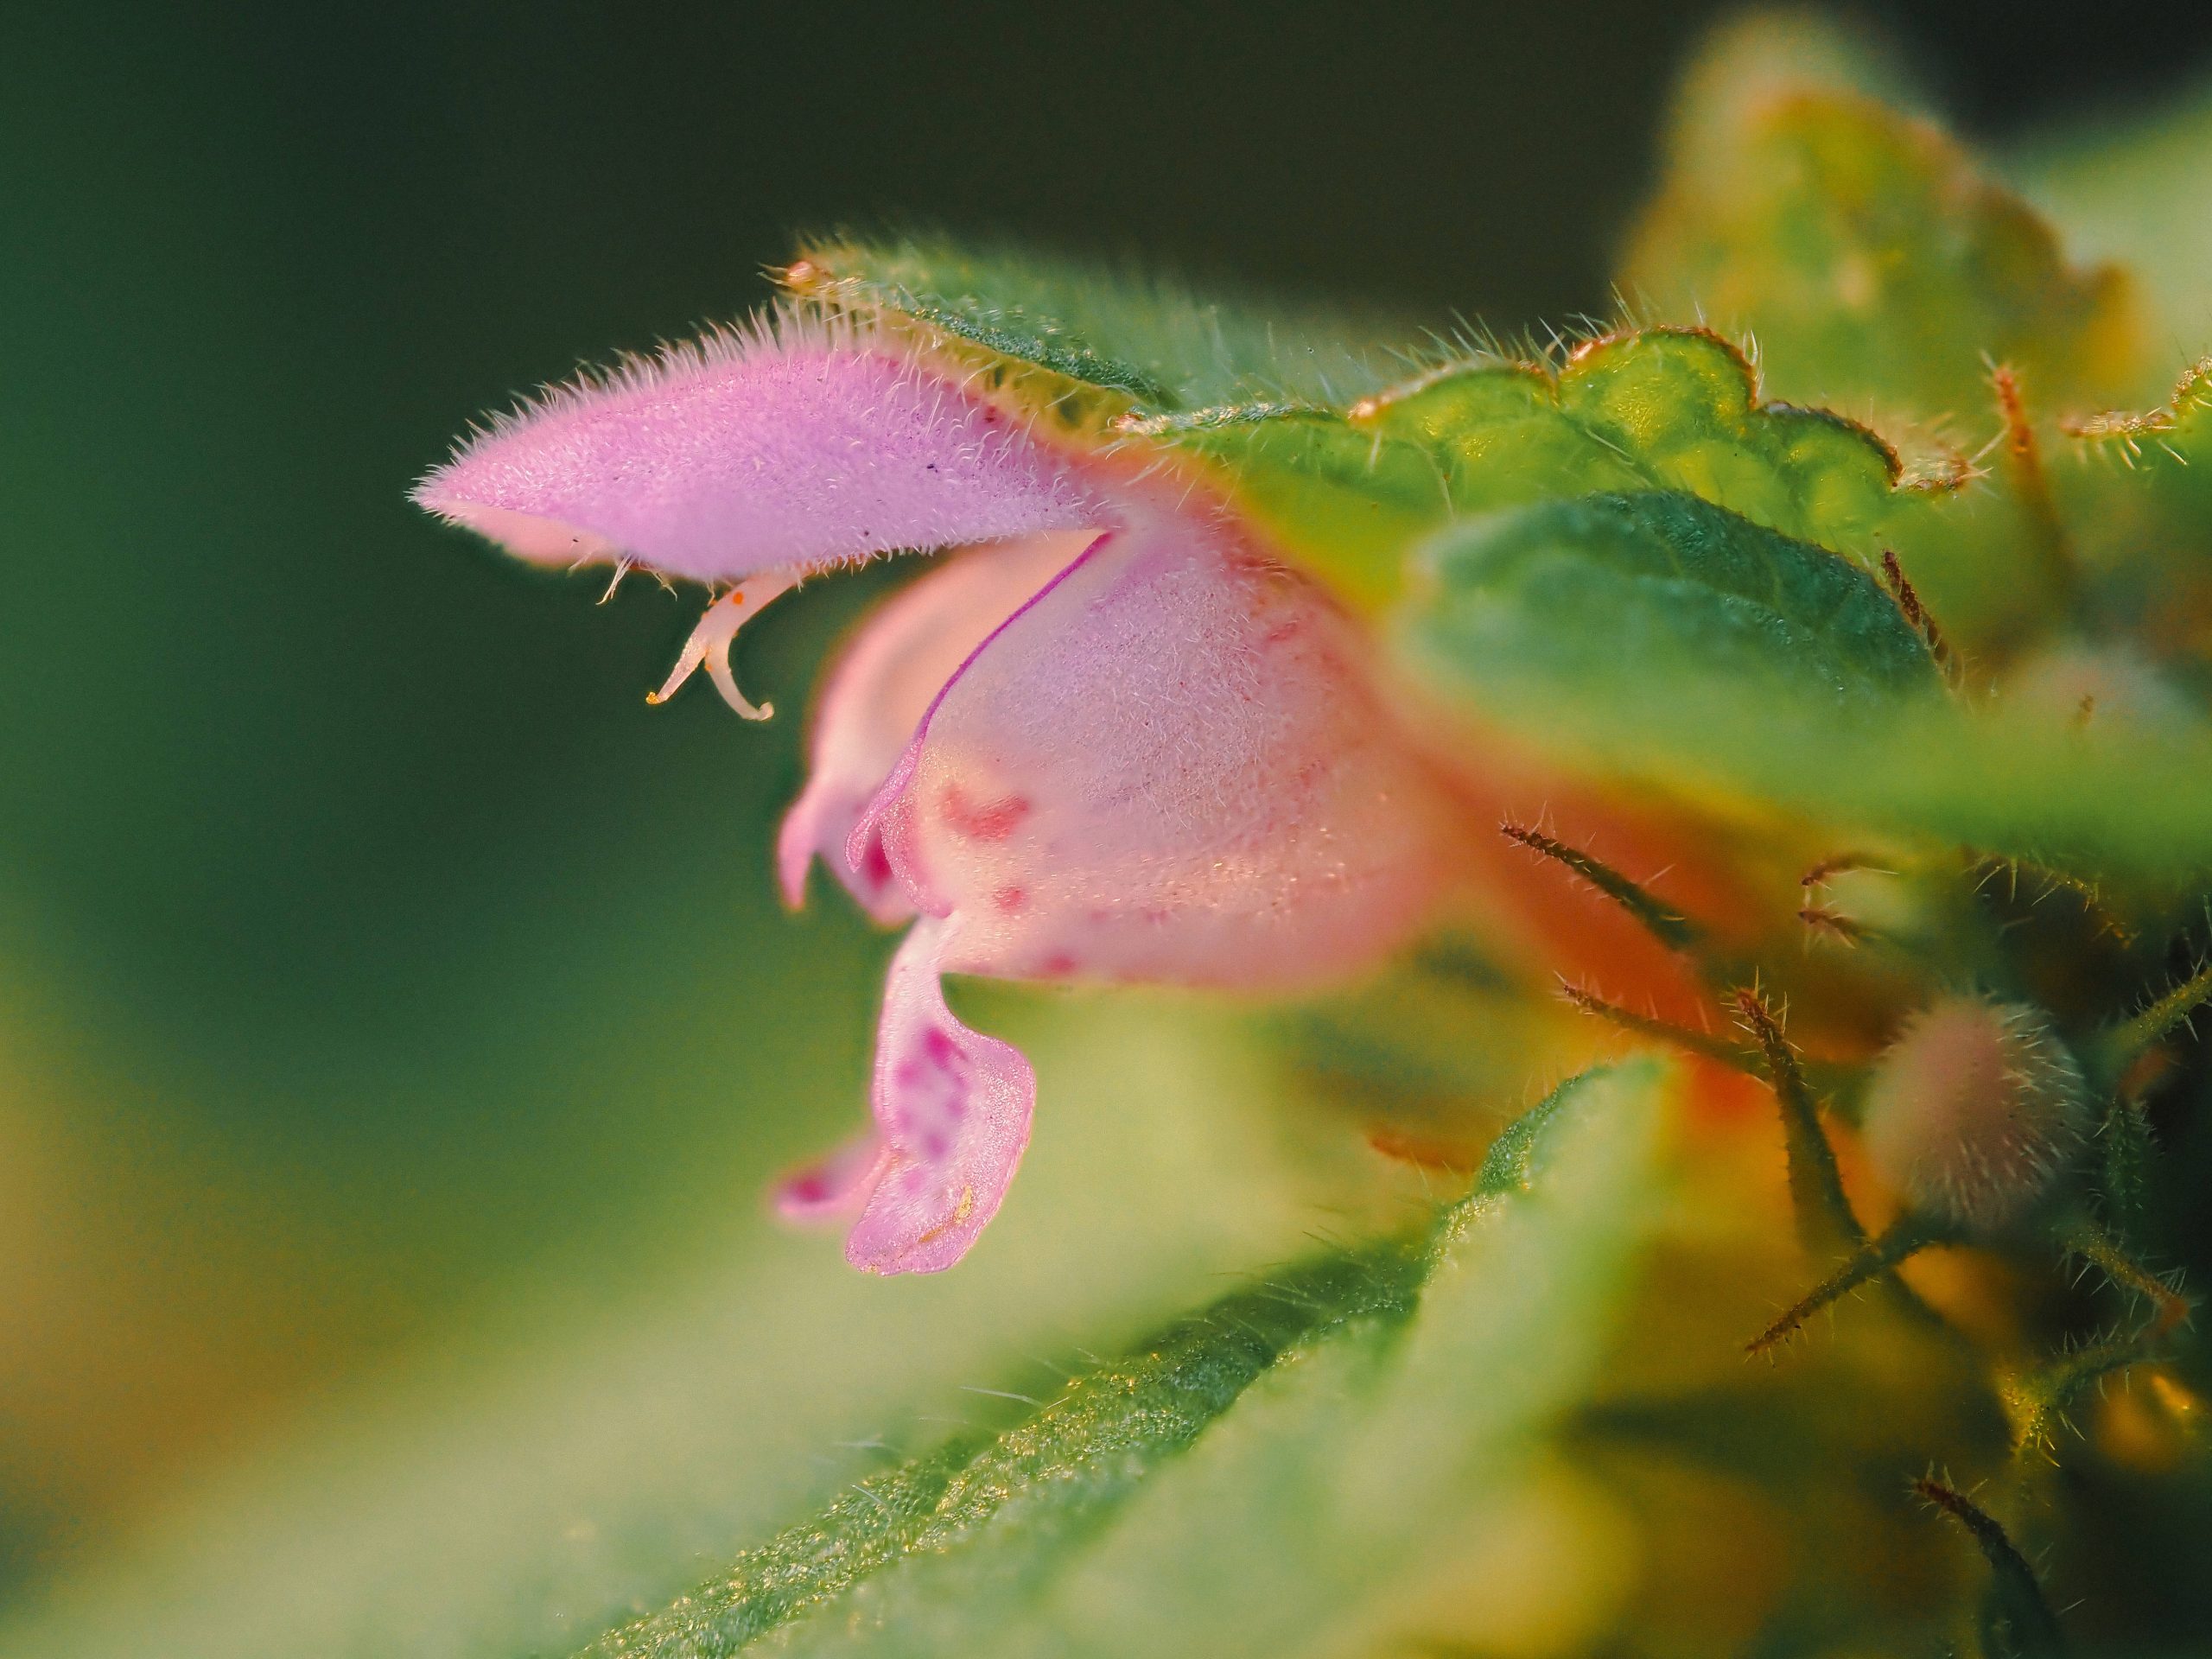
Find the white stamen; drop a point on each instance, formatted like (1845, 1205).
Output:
(710, 641)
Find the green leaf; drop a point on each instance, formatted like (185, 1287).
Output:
(1035, 1487)
(573, 1461)
(1883, 272)
(1113, 340)
(1880, 272)
(1878, 268)
(1347, 504)
(1256, 1470)
(2129, 186)
(1660, 637)
(1659, 409)
(1617, 598)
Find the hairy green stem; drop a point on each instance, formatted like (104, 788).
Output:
(2018, 1622)
(1824, 1218)
(1644, 1025)
(2117, 1048)
(2037, 1402)
(2082, 1236)
(2126, 1170)
(1908, 1234)
(1660, 919)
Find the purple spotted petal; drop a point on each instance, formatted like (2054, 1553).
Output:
(898, 661)
(833, 1186)
(1167, 766)
(952, 1108)
(779, 447)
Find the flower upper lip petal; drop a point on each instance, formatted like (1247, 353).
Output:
(791, 444)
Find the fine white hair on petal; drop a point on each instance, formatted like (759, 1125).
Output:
(778, 328)
(789, 442)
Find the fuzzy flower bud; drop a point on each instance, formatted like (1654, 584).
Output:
(1974, 1111)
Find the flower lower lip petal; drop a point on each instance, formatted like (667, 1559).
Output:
(953, 1107)
(834, 1185)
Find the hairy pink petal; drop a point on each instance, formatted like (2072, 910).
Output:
(1112, 741)
(1167, 766)
(898, 661)
(953, 1109)
(778, 448)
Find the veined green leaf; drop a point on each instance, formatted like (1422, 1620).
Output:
(1659, 409)
(1621, 599)
(1255, 1470)
(1660, 638)
(1128, 341)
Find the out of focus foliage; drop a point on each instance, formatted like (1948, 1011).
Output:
(1868, 550)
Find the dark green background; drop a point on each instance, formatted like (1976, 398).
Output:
(365, 942)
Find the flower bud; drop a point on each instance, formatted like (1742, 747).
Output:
(1974, 1111)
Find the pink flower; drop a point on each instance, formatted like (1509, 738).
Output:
(1109, 738)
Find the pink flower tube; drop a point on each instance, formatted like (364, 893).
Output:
(1109, 738)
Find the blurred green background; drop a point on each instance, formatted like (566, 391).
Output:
(395, 1020)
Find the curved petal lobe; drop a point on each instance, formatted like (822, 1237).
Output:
(898, 661)
(1168, 765)
(952, 1108)
(832, 1185)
